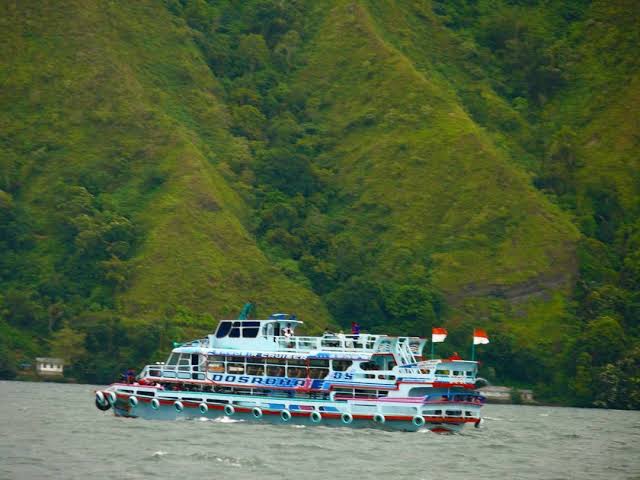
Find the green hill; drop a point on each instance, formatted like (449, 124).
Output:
(407, 164)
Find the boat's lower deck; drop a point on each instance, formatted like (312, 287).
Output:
(394, 415)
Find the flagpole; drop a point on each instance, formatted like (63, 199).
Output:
(433, 348)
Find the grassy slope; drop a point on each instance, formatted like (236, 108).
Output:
(117, 95)
(98, 93)
(435, 51)
(423, 179)
(600, 103)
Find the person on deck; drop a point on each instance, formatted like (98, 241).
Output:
(355, 329)
(287, 331)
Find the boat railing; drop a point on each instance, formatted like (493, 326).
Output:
(178, 372)
(201, 342)
(454, 379)
(365, 342)
(330, 342)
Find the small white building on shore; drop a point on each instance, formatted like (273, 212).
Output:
(48, 366)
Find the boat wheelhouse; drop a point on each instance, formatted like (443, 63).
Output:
(260, 370)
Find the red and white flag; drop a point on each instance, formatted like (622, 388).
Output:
(438, 334)
(480, 337)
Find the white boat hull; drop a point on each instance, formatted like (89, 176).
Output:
(288, 413)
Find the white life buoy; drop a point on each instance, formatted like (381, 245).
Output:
(315, 417)
(257, 413)
(102, 403)
(155, 404)
(229, 410)
(133, 401)
(418, 420)
(379, 418)
(285, 415)
(178, 406)
(112, 397)
(204, 408)
(346, 418)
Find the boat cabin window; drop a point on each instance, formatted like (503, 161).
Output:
(432, 412)
(275, 371)
(216, 363)
(173, 359)
(318, 372)
(185, 362)
(419, 391)
(250, 329)
(368, 366)
(237, 368)
(223, 329)
(296, 372)
(442, 372)
(255, 369)
(276, 361)
(235, 330)
(378, 362)
(319, 363)
(469, 374)
(340, 365)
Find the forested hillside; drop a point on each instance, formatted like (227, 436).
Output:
(405, 163)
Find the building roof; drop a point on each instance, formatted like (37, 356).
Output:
(49, 360)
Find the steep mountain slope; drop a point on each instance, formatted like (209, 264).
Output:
(112, 137)
(405, 163)
(424, 184)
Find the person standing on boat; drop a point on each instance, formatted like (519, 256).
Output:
(355, 329)
(288, 333)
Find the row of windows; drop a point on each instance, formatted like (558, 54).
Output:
(276, 367)
(448, 413)
(360, 393)
(183, 360)
(379, 377)
(246, 329)
(51, 366)
(454, 372)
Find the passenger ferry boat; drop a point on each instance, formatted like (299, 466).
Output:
(259, 370)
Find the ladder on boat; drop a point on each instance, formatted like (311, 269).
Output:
(405, 355)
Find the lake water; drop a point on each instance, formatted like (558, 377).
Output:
(54, 431)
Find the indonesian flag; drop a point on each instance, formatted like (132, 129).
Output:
(438, 334)
(480, 337)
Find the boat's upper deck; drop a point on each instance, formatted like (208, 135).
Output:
(242, 351)
(278, 334)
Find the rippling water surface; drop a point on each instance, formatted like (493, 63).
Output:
(54, 431)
